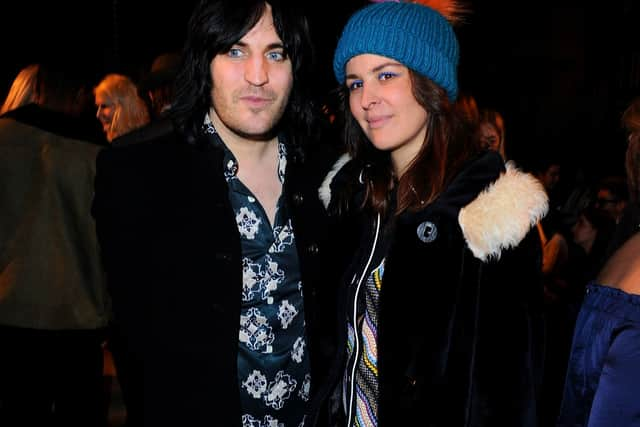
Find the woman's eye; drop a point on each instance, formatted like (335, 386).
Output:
(386, 76)
(356, 84)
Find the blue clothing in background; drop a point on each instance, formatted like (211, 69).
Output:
(602, 387)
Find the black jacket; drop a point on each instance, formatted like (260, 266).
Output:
(460, 323)
(171, 250)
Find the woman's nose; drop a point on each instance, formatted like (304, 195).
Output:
(369, 97)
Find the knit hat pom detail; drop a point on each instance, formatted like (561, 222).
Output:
(452, 10)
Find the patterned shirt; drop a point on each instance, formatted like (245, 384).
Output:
(273, 364)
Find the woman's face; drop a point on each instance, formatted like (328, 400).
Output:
(382, 102)
(489, 137)
(584, 233)
(105, 110)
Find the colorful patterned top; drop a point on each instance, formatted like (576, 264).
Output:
(365, 410)
(273, 364)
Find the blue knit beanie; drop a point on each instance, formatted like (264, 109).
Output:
(412, 34)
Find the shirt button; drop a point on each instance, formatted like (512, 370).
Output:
(298, 199)
(313, 249)
(220, 256)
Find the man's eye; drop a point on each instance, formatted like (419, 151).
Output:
(234, 52)
(276, 56)
(356, 84)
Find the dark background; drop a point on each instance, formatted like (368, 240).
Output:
(560, 72)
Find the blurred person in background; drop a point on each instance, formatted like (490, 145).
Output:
(491, 131)
(612, 196)
(159, 85)
(120, 109)
(629, 221)
(23, 89)
(54, 306)
(603, 377)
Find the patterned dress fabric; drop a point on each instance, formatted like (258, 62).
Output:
(365, 387)
(273, 362)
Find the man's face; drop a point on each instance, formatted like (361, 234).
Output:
(551, 177)
(251, 82)
(608, 203)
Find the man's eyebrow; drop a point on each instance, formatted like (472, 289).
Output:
(276, 45)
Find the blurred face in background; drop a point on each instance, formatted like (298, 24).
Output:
(608, 203)
(584, 233)
(489, 137)
(550, 177)
(106, 108)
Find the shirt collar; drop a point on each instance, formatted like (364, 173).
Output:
(230, 162)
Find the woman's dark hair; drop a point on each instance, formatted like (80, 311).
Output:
(214, 27)
(447, 145)
(631, 122)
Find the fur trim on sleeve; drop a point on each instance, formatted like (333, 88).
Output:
(501, 216)
(324, 192)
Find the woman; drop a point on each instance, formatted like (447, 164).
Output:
(23, 89)
(592, 232)
(491, 131)
(603, 375)
(119, 107)
(443, 296)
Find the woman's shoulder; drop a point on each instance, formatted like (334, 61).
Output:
(503, 212)
(622, 270)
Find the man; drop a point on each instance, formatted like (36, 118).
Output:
(213, 236)
(612, 196)
(54, 305)
(158, 85)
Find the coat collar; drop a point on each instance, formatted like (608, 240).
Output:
(503, 213)
(495, 205)
(55, 122)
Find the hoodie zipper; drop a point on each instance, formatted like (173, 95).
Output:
(356, 337)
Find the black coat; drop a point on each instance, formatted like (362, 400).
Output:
(460, 325)
(172, 252)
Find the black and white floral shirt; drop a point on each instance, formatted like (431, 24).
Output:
(273, 363)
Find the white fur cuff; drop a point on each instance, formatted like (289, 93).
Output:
(500, 217)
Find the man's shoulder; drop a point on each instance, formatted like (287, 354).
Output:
(35, 123)
(155, 133)
(146, 145)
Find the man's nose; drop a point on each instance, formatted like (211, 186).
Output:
(256, 71)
